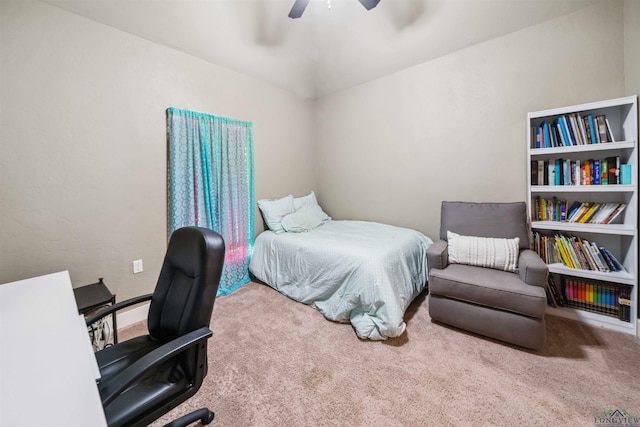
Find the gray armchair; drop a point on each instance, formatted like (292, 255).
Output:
(499, 304)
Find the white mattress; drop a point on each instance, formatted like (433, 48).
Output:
(362, 272)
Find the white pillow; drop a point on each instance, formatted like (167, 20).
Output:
(273, 210)
(310, 200)
(501, 254)
(304, 219)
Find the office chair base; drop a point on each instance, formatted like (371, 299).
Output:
(204, 415)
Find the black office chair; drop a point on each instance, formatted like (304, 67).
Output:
(145, 377)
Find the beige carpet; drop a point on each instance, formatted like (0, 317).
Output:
(276, 362)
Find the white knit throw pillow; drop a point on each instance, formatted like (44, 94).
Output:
(501, 254)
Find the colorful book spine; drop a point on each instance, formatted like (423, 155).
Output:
(562, 124)
(611, 299)
(604, 172)
(575, 252)
(614, 169)
(596, 172)
(547, 135)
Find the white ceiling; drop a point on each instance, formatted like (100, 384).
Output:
(326, 50)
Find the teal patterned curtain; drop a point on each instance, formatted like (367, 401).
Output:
(210, 173)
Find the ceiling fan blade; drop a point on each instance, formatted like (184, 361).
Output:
(298, 8)
(369, 4)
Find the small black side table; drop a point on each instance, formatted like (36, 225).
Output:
(94, 296)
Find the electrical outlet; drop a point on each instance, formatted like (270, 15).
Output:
(137, 266)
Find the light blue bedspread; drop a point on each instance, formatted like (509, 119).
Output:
(358, 271)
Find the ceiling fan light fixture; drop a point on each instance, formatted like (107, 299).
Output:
(300, 5)
(369, 4)
(298, 8)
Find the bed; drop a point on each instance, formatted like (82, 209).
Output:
(361, 272)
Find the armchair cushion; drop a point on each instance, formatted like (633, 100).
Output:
(489, 288)
(501, 254)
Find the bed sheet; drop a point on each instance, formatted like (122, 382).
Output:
(361, 272)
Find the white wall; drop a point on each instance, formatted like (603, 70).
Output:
(632, 46)
(454, 128)
(83, 144)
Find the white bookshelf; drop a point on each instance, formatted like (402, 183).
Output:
(621, 237)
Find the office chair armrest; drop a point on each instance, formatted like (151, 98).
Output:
(112, 388)
(115, 307)
(532, 269)
(438, 255)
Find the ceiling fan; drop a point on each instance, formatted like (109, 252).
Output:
(300, 5)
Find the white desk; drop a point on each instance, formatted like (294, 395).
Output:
(47, 369)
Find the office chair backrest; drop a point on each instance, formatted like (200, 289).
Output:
(186, 290)
(502, 220)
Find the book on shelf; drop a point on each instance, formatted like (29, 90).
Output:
(551, 300)
(592, 130)
(556, 289)
(534, 172)
(611, 217)
(556, 209)
(588, 173)
(610, 262)
(605, 210)
(575, 172)
(575, 252)
(580, 212)
(602, 129)
(600, 262)
(546, 135)
(607, 298)
(596, 172)
(572, 129)
(554, 293)
(593, 259)
(541, 172)
(604, 172)
(626, 174)
(572, 134)
(549, 209)
(563, 131)
(561, 171)
(583, 130)
(609, 132)
(566, 175)
(578, 126)
(614, 169)
(624, 301)
(586, 217)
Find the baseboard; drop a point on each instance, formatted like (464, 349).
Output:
(129, 317)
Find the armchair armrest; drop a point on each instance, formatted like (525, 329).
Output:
(532, 269)
(438, 255)
(110, 390)
(118, 306)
